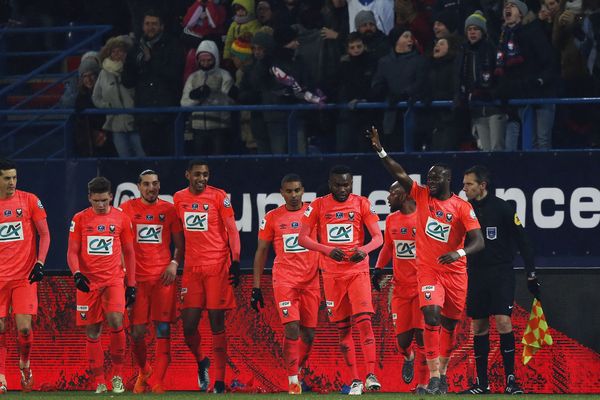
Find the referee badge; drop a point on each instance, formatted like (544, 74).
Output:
(491, 233)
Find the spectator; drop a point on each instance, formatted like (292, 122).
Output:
(204, 20)
(208, 86)
(288, 14)
(444, 24)
(476, 71)
(266, 12)
(376, 41)
(72, 85)
(109, 92)
(408, 13)
(383, 11)
(239, 36)
(153, 68)
(453, 13)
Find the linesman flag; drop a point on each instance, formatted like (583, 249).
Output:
(536, 334)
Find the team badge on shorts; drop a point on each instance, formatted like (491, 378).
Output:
(285, 312)
(428, 295)
(491, 232)
(83, 316)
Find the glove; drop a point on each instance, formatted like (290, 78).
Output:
(234, 274)
(256, 299)
(37, 273)
(129, 296)
(200, 93)
(81, 282)
(376, 278)
(533, 285)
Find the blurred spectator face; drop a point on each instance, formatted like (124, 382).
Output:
(338, 3)
(152, 27)
(258, 51)
(118, 54)
(291, 3)
(205, 60)
(356, 48)
(293, 45)
(512, 15)
(263, 12)
(553, 6)
(405, 43)
(440, 30)
(441, 48)
(367, 29)
(240, 11)
(474, 34)
(88, 80)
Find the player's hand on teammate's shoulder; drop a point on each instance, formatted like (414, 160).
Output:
(533, 285)
(81, 282)
(257, 299)
(449, 257)
(357, 256)
(376, 278)
(373, 135)
(234, 274)
(37, 273)
(337, 254)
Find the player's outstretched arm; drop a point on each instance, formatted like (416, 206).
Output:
(389, 163)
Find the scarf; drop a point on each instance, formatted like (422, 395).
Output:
(114, 67)
(509, 53)
(243, 20)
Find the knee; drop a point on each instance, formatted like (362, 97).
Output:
(25, 331)
(503, 325)
(292, 330)
(189, 330)
(115, 321)
(431, 319)
(163, 329)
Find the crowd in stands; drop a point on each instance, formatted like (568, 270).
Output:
(218, 52)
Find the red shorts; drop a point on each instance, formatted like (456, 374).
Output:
(298, 304)
(19, 294)
(94, 305)
(347, 295)
(154, 302)
(207, 288)
(445, 289)
(406, 311)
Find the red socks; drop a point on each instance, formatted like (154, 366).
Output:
(367, 340)
(138, 348)
(220, 354)
(421, 368)
(3, 353)
(117, 350)
(303, 353)
(447, 342)
(193, 343)
(25, 342)
(163, 358)
(290, 355)
(347, 347)
(96, 357)
(431, 337)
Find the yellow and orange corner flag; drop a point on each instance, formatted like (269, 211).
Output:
(536, 334)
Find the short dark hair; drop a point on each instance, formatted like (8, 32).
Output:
(354, 37)
(151, 12)
(193, 163)
(340, 170)
(482, 174)
(443, 166)
(6, 164)
(291, 178)
(99, 185)
(146, 172)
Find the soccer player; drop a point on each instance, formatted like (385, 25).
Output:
(295, 277)
(339, 219)
(492, 278)
(399, 246)
(155, 223)
(99, 238)
(444, 221)
(212, 266)
(21, 267)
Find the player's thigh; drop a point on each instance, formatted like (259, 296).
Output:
(309, 307)
(193, 294)
(5, 298)
(113, 298)
(24, 298)
(336, 297)
(430, 288)
(287, 303)
(163, 302)
(479, 295)
(140, 311)
(89, 307)
(359, 293)
(219, 292)
(503, 292)
(455, 286)
(406, 313)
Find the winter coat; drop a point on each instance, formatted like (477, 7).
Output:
(109, 92)
(355, 75)
(236, 30)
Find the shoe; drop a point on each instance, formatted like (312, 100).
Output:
(434, 386)
(443, 384)
(305, 387)
(219, 387)
(295, 388)
(203, 378)
(356, 388)
(3, 388)
(476, 389)
(117, 384)
(141, 383)
(158, 389)
(26, 380)
(408, 371)
(511, 386)
(371, 383)
(421, 391)
(101, 388)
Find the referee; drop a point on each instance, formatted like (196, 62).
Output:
(491, 289)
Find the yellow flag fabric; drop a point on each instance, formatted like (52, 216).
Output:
(536, 334)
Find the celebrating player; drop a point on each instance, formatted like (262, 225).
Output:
(20, 267)
(295, 277)
(212, 266)
(155, 222)
(98, 238)
(399, 246)
(338, 219)
(444, 220)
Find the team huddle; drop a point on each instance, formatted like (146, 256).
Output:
(127, 258)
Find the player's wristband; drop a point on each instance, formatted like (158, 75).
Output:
(175, 262)
(382, 153)
(461, 252)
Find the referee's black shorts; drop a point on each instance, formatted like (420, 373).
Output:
(491, 291)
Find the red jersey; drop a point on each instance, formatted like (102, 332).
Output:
(101, 237)
(18, 252)
(399, 236)
(341, 225)
(152, 227)
(294, 266)
(202, 217)
(441, 228)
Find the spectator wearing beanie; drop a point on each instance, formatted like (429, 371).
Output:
(444, 24)
(376, 42)
(383, 10)
(453, 13)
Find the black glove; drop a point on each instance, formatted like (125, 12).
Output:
(533, 285)
(81, 282)
(37, 273)
(256, 299)
(200, 93)
(376, 278)
(129, 296)
(234, 273)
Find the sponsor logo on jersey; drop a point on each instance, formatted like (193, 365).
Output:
(339, 215)
(340, 233)
(195, 221)
(72, 227)
(491, 232)
(11, 231)
(263, 224)
(308, 211)
(428, 288)
(290, 243)
(82, 308)
(437, 230)
(19, 212)
(100, 245)
(149, 233)
(286, 303)
(405, 249)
